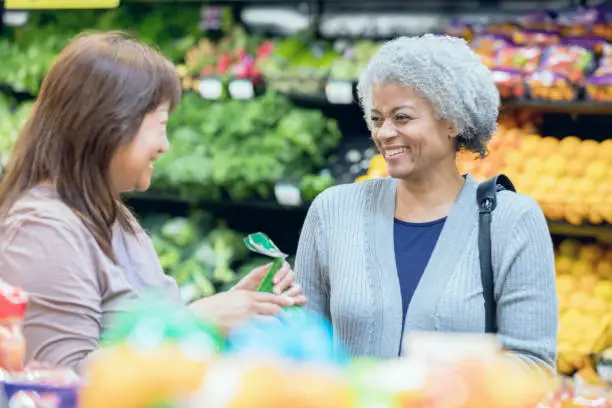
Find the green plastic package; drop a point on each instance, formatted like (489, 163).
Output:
(260, 243)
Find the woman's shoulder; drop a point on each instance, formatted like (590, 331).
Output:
(513, 208)
(42, 210)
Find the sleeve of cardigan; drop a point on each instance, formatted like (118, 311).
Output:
(527, 304)
(63, 320)
(310, 262)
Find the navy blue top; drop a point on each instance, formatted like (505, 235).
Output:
(414, 244)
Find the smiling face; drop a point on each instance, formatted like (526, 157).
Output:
(132, 165)
(407, 133)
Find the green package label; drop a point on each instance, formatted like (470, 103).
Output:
(262, 244)
(267, 283)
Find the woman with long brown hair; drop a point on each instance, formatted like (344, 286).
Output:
(98, 125)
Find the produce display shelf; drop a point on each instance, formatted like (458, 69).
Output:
(162, 199)
(582, 107)
(577, 107)
(602, 232)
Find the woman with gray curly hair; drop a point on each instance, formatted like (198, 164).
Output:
(386, 257)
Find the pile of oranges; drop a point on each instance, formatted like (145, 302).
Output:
(584, 287)
(570, 178)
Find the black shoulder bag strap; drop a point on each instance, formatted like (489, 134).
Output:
(487, 201)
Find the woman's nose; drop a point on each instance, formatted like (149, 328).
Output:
(387, 130)
(165, 146)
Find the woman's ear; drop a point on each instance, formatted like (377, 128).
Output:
(450, 130)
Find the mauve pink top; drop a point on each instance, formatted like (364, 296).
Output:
(75, 290)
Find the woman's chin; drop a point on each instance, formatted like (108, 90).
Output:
(400, 172)
(143, 185)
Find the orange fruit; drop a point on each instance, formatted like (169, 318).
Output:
(555, 165)
(589, 149)
(575, 167)
(591, 253)
(604, 269)
(564, 265)
(569, 144)
(587, 282)
(548, 145)
(597, 170)
(605, 150)
(534, 166)
(514, 159)
(530, 144)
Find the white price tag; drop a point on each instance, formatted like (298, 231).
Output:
(241, 89)
(15, 18)
(287, 194)
(210, 88)
(339, 92)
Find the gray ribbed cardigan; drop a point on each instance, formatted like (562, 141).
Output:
(346, 264)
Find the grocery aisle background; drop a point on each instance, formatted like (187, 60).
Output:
(269, 119)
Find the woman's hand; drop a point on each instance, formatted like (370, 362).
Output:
(284, 282)
(229, 309)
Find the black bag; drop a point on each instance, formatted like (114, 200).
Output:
(487, 201)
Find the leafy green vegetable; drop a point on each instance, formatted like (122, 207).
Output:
(203, 257)
(313, 184)
(12, 118)
(242, 147)
(179, 231)
(221, 249)
(27, 52)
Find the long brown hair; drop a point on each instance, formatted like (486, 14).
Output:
(91, 102)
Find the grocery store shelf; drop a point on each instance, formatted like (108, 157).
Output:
(169, 200)
(581, 107)
(602, 232)
(577, 107)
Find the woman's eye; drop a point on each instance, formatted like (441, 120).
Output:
(376, 119)
(402, 118)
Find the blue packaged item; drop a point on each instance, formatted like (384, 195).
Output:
(42, 389)
(304, 337)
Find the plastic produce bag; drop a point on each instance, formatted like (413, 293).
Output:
(574, 393)
(154, 354)
(302, 337)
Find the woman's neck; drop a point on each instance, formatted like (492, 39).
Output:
(428, 198)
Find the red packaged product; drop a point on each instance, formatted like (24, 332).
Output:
(510, 83)
(570, 61)
(13, 304)
(522, 59)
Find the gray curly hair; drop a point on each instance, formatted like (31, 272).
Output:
(449, 74)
